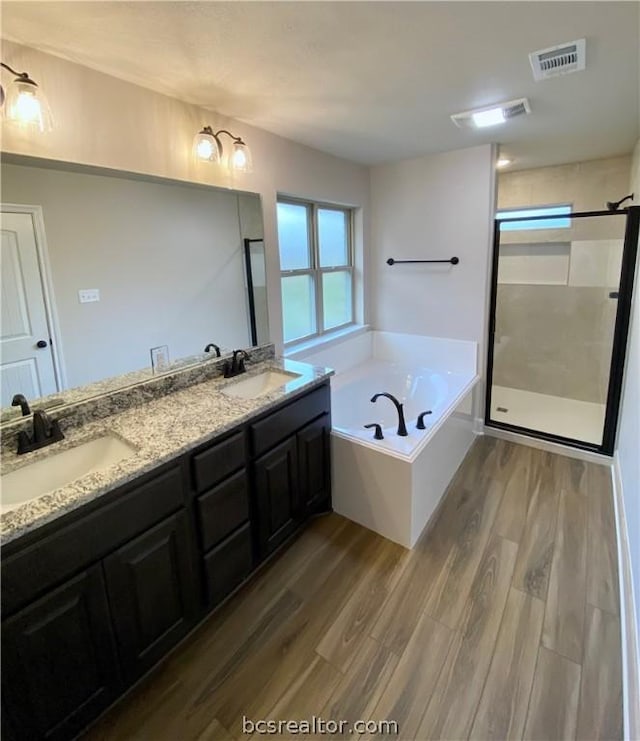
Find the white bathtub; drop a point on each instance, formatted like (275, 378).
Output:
(394, 485)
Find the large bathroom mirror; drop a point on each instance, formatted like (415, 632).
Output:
(110, 275)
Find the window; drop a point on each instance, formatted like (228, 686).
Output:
(316, 263)
(558, 218)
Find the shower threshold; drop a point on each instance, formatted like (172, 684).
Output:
(553, 415)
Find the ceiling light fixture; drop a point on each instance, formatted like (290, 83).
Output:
(503, 162)
(490, 117)
(494, 115)
(25, 104)
(207, 147)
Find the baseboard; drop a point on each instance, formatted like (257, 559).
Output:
(534, 442)
(628, 615)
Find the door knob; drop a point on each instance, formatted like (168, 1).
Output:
(41, 344)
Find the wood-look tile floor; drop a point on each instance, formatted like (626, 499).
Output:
(501, 624)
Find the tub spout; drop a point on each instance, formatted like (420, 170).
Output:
(402, 427)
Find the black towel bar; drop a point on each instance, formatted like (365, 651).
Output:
(452, 260)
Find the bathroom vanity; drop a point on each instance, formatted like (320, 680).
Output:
(101, 579)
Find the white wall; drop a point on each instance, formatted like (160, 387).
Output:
(103, 121)
(430, 208)
(629, 426)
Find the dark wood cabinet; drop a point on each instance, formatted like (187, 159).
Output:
(228, 565)
(152, 593)
(87, 535)
(314, 472)
(59, 666)
(223, 509)
(94, 600)
(277, 494)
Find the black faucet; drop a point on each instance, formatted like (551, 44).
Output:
(19, 400)
(45, 432)
(378, 433)
(402, 427)
(420, 423)
(235, 366)
(213, 346)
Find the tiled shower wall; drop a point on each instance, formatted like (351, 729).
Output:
(538, 350)
(556, 338)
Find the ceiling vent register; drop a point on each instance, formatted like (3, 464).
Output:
(558, 60)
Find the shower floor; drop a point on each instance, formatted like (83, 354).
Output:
(579, 420)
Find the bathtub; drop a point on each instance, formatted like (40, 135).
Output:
(394, 485)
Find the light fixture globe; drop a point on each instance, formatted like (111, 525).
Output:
(240, 159)
(206, 147)
(27, 106)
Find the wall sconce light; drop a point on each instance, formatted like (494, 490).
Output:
(207, 147)
(25, 104)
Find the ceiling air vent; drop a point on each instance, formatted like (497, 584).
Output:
(516, 108)
(496, 114)
(558, 60)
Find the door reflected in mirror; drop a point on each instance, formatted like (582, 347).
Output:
(100, 267)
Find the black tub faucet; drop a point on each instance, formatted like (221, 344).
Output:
(378, 433)
(420, 423)
(402, 427)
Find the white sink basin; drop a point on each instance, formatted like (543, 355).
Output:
(258, 385)
(50, 473)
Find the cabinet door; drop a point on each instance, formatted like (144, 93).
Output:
(314, 465)
(59, 666)
(152, 593)
(228, 564)
(276, 480)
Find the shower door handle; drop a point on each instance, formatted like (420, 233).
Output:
(614, 294)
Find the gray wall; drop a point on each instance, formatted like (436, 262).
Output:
(167, 259)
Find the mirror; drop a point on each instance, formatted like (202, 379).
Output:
(110, 275)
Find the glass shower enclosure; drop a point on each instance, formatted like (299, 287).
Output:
(561, 295)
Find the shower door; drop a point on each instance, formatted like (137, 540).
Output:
(560, 305)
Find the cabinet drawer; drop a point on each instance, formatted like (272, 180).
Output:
(40, 566)
(281, 424)
(228, 565)
(223, 509)
(216, 463)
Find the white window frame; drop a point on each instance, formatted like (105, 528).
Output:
(529, 212)
(315, 271)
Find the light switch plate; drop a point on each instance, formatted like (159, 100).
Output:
(88, 295)
(160, 358)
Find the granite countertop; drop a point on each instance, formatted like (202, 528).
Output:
(159, 431)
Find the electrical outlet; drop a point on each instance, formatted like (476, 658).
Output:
(88, 295)
(160, 358)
